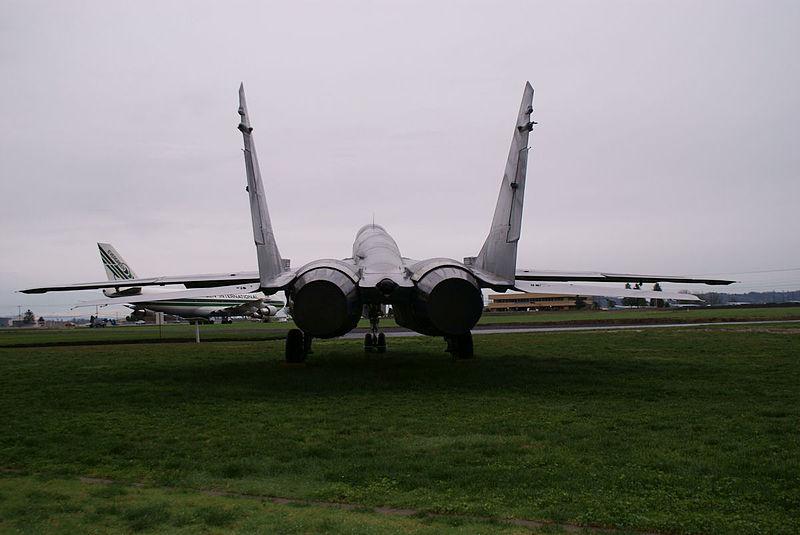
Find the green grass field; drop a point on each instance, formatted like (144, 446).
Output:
(672, 431)
(252, 331)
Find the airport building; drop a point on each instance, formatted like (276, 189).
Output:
(525, 302)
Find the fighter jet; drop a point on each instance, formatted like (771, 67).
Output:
(435, 296)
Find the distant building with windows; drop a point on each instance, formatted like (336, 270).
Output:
(525, 302)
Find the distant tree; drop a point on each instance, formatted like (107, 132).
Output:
(634, 301)
(580, 302)
(28, 318)
(659, 303)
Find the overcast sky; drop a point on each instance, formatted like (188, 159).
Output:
(668, 137)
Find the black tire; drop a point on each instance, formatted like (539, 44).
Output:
(368, 343)
(295, 345)
(381, 343)
(462, 347)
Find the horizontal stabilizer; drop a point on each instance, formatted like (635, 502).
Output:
(597, 276)
(171, 296)
(214, 280)
(190, 281)
(602, 291)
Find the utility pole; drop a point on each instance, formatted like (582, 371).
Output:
(19, 312)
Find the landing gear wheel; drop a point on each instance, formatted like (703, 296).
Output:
(295, 347)
(380, 344)
(369, 343)
(460, 346)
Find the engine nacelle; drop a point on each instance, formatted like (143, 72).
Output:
(125, 292)
(267, 310)
(325, 301)
(447, 301)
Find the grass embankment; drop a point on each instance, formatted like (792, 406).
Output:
(666, 315)
(252, 331)
(689, 430)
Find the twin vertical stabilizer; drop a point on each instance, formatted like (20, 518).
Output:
(270, 264)
(499, 252)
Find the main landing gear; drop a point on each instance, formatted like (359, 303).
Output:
(460, 346)
(298, 345)
(374, 340)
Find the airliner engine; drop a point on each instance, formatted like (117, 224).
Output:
(447, 301)
(325, 302)
(267, 311)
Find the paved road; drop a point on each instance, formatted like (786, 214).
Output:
(550, 328)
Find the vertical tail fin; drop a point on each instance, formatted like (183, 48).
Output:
(115, 265)
(499, 252)
(270, 264)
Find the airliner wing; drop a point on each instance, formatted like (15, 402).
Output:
(189, 281)
(601, 291)
(597, 276)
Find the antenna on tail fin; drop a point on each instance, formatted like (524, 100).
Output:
(499, 252)
(270, 264)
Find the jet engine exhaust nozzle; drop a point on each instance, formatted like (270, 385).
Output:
(455, 305)
(447, 301)
(325, 303)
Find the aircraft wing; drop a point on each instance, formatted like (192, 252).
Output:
(597, 276)
(602, 291)
(170, 296)
(189, 281)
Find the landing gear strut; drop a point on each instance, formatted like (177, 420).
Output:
(374, 340)
(460, 346)
(298, 345)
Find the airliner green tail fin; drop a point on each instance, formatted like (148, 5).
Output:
(116, 267)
